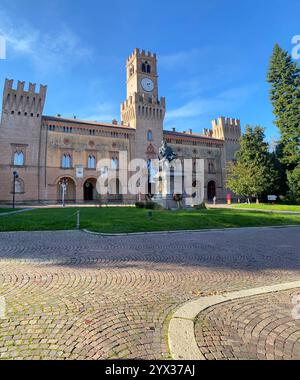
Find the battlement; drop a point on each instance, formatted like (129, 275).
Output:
(142, 98)
(207, 132)
(226, 128)
(226, 121)
(141, 53)
(22, 102)
(21, 88)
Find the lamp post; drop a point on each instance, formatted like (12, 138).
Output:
(64, 184)
(16, 176)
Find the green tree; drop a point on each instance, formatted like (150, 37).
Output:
(280, 182)
(246, 180)
(254, 174)
(284, 79)
(294, 185)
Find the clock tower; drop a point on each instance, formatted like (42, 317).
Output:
(143, 110)
(142, 74)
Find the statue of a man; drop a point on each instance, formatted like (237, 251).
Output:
(166, 153)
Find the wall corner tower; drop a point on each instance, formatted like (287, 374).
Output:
(20, 139)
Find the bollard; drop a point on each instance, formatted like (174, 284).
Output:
(78, 221)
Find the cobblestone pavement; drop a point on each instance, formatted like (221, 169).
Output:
(71, 295)
(260, 327)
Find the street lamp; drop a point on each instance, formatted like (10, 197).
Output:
(64, 184)
(16, 176)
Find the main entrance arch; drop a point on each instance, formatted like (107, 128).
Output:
(70, 192)
(89, 190)
(211, 190)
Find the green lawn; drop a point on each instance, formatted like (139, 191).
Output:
(114, 220)
(269, 207)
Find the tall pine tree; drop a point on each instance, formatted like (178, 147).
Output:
(284, 78)
(254, 174)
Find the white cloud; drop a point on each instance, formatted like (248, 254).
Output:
(239, 93)
(215, 104)
(53, 50)
(104, 112)
(182, 58)
(193, 108)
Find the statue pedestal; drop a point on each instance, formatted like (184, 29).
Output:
(168, 185)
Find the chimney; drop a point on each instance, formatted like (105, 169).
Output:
(115, 122)
(190, 131)
(174, 129)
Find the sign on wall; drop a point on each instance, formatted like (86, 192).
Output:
(79, 172)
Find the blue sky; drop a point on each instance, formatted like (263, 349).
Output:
(213, 55)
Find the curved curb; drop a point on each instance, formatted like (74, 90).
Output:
(181, 334)
(187, 231)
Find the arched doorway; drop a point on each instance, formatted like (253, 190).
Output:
(89, 190)
(211, 190)
(70, 190)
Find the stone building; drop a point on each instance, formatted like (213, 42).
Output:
(45, 150)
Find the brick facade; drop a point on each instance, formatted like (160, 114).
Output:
(38, 146)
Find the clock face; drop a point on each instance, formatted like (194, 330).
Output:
(147, 84)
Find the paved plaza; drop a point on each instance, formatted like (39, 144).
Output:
(260, 327)
(72, 295)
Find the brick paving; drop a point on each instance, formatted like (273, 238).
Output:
(256, 328)
(71, 295)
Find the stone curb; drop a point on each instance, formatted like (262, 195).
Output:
(181, 334)
(187, 231)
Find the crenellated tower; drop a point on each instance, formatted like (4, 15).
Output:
(143, 110)
(229, 130)
(19, 102)
(21, 137)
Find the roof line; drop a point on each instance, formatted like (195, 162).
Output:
(181, 134)
(86, 122)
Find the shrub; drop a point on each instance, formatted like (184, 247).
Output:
(202, 206)
(149, 205)
(140, 205)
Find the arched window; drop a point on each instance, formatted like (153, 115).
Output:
(19, 159)
(66, 161)
(91, 162)
(114, 163)
(150, 136)
(146, 68)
